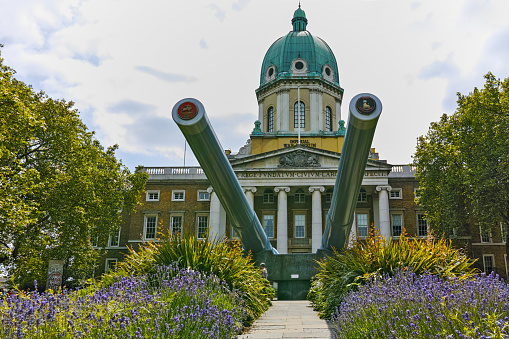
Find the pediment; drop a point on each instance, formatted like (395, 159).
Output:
(297, 157)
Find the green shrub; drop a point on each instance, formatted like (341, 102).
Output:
(374, 256)
(224, 259)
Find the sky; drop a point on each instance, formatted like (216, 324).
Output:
(125, 63)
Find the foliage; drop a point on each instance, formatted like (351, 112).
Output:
(462, 163)
(169, 303)
(58, 186)
(224, 259)
(346, 270)
(408, 305)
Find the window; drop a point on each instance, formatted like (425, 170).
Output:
(110, 264)
(150, 227)
(203, 224)
(152, 196)
(417, 193)
(268, 196)
(94, 239)
(270, 120)
(362, 224)
(489, 263)
(328, 196)
(422, 225)
(299, 196)
(395, 193)
(176, 224)
(328, 118)
(114, 239)
(363, 196)
(300, 225)
(203, 196)
(268, 225)
(299, 115)
(234, 234)
(485, 235)
(178, 195)
(397, 224)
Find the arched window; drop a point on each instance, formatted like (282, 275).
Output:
(299, 115)
(270, 120)
(328, 119)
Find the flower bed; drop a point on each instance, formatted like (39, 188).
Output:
(425, 306)
(167, 304)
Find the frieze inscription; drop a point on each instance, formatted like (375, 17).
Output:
(301, 174)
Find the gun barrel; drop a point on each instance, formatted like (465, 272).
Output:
(190, 116)
(365, 109)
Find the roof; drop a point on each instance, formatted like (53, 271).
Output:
(299, 44)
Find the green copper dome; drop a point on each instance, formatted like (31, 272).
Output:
(299, 54)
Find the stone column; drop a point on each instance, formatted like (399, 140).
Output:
(314, 110)
(217, 221)
(338, 115)
(283, 113)
(316, 217)
(383, 209)
(353, 232)
(282, 219)
(249, 192)
(260, 115)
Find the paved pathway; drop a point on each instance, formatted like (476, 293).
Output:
(289, 319)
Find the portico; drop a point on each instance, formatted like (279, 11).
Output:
(292, 202)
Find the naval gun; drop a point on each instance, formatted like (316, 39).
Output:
(292, 272)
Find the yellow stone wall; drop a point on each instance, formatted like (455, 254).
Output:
(262, 144)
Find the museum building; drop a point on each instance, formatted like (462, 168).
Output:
(288, 169)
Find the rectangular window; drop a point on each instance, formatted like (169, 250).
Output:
(300, 225)
(110, 264)
(203, 196)
(489, 263)
(422, 225)
(397, 224)
(152, 196)
(203, 224)
(363, 196)
(417, 193)
(299, 196)
(328, 197)
(178, 195)
(396, 193)
(114, 239)
(234, 234)
(268, 225)
(485, 235)
(362, 224)
(176, 224)
(149, 230)
(268, 197)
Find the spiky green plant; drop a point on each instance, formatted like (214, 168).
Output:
(348, 268)
(223, 258)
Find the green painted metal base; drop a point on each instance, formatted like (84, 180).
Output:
(291, 272)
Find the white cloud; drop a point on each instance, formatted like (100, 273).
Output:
(126, 63)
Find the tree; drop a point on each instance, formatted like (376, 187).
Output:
(462, 163)
(59, 188)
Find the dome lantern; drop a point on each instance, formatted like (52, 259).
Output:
(299, 20)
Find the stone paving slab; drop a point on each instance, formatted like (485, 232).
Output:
(290, 320)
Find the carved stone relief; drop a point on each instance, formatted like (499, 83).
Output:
(298, 159)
